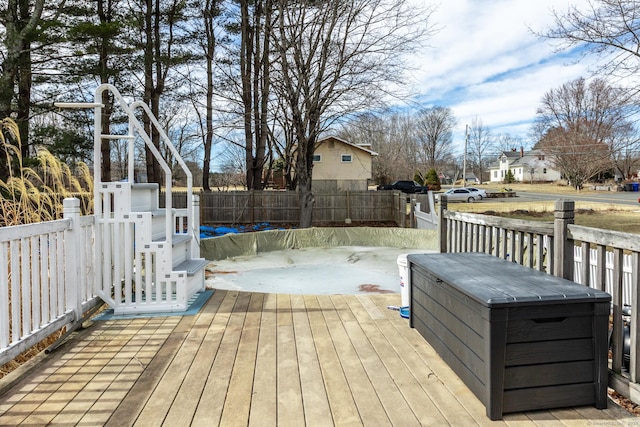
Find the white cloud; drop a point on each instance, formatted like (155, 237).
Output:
(486, 63)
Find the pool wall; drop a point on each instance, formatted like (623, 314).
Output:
(232, 245)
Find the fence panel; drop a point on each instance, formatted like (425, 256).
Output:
(46, 279)
(238, 207)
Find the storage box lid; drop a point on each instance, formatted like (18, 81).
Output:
(492, 281)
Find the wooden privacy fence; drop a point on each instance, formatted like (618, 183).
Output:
(283, 207)
(602, 259)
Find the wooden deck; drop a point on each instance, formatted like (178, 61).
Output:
(260, 359)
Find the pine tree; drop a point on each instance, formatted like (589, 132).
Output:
(433, 180)
(509, 178)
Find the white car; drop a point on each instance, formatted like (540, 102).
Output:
(460, 194)
(477, 191)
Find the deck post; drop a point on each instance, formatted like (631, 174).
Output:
(442, 224)
(195, 227)
(564, 215)
(73, 242)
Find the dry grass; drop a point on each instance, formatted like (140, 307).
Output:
(608, 216)
(32, 195)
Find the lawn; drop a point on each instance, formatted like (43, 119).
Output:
(609, 216)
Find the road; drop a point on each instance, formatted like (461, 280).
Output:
(623, 197)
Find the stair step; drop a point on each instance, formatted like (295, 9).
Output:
(177, 239)
(145, 186)
(191, 266)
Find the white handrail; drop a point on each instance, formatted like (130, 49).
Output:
(176, 155)
(134, 124)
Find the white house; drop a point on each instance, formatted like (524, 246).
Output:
(532, 166)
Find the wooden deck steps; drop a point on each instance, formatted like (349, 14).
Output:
(263, 360)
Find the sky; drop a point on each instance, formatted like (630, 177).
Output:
(484, 62)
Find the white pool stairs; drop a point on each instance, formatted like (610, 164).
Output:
(147, 256)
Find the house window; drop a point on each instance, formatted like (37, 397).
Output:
(544, 170)
(317, 158)
(495, 174)
(346, 158)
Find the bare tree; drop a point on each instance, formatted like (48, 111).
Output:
(584, 126)
(255, 69)
(480, 145)
(391, 136)
(507, 142)
(576, 154)
(210, 10)
(609, 29)
(334, 58)
(233, 166)
(433, 131)
(162, 41)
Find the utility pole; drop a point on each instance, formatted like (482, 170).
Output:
(464, 161)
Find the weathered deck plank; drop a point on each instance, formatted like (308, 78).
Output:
(391, 351)
(341, 401)
(265, 391)
(314, 394)
(263, 360)
(186, 401)
(364, 394)
(213, 396)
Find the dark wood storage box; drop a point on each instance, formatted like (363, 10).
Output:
(520, 339)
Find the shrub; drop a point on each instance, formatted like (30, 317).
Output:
(509, 178)
(433, 180)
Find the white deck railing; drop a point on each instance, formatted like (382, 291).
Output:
(46, 278)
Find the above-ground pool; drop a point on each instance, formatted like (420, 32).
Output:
(338, 270)
(321, 266)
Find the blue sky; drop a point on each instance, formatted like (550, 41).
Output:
(484, 62)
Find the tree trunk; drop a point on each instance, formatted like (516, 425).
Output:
(210, 43)
(20, 20)
(153, 88)
(307, 200)
(23, 106)
(105, 144)
(254, 68)
(105, 16)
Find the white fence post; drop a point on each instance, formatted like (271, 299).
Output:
(195, 227)
(72, 243)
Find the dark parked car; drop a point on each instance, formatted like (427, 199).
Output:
(405, 187)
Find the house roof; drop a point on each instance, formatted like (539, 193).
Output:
(516, 158)
(359, 147)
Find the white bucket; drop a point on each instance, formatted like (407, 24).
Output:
(405, 284)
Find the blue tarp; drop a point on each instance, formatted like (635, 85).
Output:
(214, 231)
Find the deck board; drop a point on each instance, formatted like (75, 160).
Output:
(343, 406)
(262, 360)
(314, 394)
(363, 392)
(264, 398)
